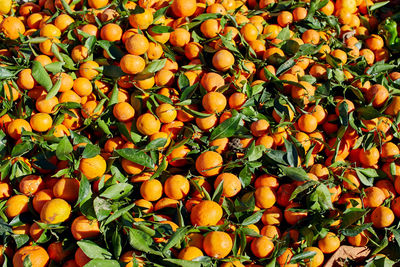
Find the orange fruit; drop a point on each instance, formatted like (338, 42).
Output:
(132, 64)
(217, 244)
(55, 211)
(189, 253)
(329, 244)
(316, 260)
(151, 190)
(148, 124)
(223, 60)
(231, 184)
(16, 205)
(382, 217)
(209, 163)
(93, 167)
(176, 187)
(83, 228)
(262, 247)
(206, 213)
(38, 256)
(12, 27)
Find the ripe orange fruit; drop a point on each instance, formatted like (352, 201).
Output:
(151, 190)
(223, 60)
(179, 37)
(132, 64)
(166, 113)
(265, 197)
(67, 189)
(369, 157)
(209, 163)
(142, 20)
(123, 112)
(41, 198)
(317, 260)
(378, 94)
(307, 123)
(55, 211)
(329, 244)
(111, 32)
(176, 187)
(262, 247)
(382, 217)
(214, 102)
(374, 197)
(137, 44)
(16, 205)
(12, 27)
(93, 167)
(217, 244)
(89, 69)
(37, 255)
(206, 213)
(183, 8)
(231, 184)
(83, 228)
(148, 124)
(189, 253)
(41, 122)
(292, 217)
(16, 127)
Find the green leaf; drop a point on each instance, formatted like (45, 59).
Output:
(255, 152)
(90, 151)
(296, 173)
(136, 156)
(85, 190)
(54, 67)
(324, 197)
(227, 128)
(304, 187)
(64, 148)
(119, 213)
(113, 71)
(245, 176)
(284, 34)
(140, 240)
(379, 67)
(21, 149)
(195, 113)
(102, 208)
(93, 251)
(41, 76)
(27, 261)
(343, 113)
(154, 66)
(355, 230)
(352, 215)
(54, 90)
(302, 256)
(6, 74)
(161, 29)
(157, 143)
(102, 263)
(176, 238)
(363, 179)
(255, 218)
(117, 191)
(369, 113)
(184, 263)
(378, 5)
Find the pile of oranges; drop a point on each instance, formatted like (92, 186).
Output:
(198, 133)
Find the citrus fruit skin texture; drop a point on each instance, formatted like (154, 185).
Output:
(215, 132)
